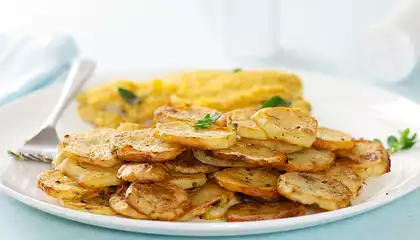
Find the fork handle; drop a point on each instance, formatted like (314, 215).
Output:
(79, 72)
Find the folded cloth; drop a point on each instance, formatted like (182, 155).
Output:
(28, 63)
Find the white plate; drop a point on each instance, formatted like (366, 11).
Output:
(363, 111)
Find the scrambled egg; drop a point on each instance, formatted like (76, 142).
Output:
(224, 91)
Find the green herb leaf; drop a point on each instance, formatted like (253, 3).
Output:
(276, 101)
(128, 96)
(208, 120)
(377, 140)
(403, 143)
(392, 140)
(237, 70)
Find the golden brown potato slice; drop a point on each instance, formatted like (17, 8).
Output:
(118, 204)
(309, 160)
(97, 205)
(245, 127)
(252, 182)
(127, 126)
(186, 181)
(218, 210)
(187, 163)
(264, 211)
(58, 185)
(368, 169)
(163, 201)
(142, 146)
(347, 176)
(254, 154)
(275, 145)
(186, 135)
(364, 151)
(331, 139)
(189, 114)
(204, 157)
(310, 189)
(89, 175)
(202, 199)
(91, 148)
(368, 158)
(291, 125)
(143, 172)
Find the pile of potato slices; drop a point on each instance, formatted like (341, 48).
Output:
(251, 164)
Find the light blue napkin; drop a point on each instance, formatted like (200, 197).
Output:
(28, 63)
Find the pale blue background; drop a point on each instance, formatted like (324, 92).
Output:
(316, 35)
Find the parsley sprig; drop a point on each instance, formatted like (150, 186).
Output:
(403, 143)
(208, 120)
(275, 101)
(129, 97)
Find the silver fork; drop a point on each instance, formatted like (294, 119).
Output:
(43, 145)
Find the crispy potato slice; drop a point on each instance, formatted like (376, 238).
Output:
(364, 151)
(58, 185)
(368, 169)
(347, 176)
(254, 154)
(331, 139)
(187, 163)
(252, 182)
(89, 175)
(309, 160)
(275, 145)
(310, 189)
(186, 181)
(368, 158)
(142, 146)
(163, 201)
(97, 205)
(204, 157)
(189, 114)
(264, 211)
(202, 199)
(291, 125)
(219, 209)
(127, 126)
(245, 127)
(186, 135)
(143, 172)
(91, 148)
(118, 204)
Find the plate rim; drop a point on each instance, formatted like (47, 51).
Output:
(221, 229)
